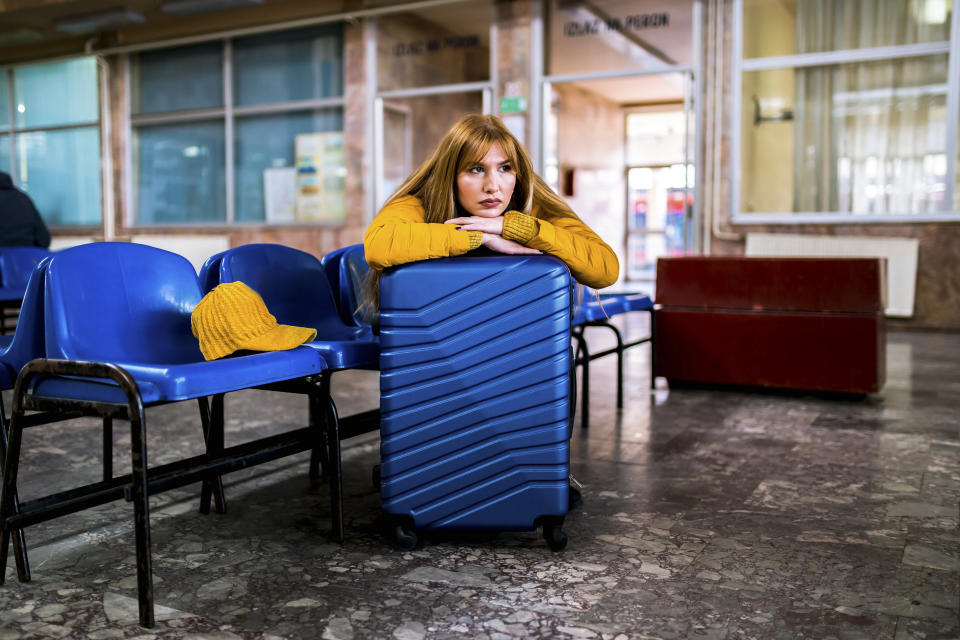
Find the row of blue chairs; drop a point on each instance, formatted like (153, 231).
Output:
(104, 330)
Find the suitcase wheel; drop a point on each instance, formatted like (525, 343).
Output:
(555, 537)
(404, 538)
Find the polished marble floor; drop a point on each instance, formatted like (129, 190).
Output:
(707, 515)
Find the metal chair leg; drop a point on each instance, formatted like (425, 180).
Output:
(319, 460)
(619, 351)
(214, 485)
(141, 510)
(333, 453)
(9, 502)
(653, 349)
(19, 540)
(107, 448)
(584, 358)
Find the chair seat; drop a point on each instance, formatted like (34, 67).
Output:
(612, 304)
(593, 311)
(349, 354)
(638, 302)
(169, 383)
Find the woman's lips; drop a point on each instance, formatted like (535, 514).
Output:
(490, 203)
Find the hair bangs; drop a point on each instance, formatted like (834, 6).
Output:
(476, 147)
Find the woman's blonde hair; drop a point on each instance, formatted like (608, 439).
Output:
(434, 182)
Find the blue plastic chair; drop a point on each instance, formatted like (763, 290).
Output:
(596, 312)
(16, 265)
(27, 343)
(294, 286)
(347, 270)
(118, 339)
(210, 272)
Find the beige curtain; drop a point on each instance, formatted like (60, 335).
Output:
(869, 137)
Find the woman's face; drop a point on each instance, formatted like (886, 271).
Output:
(485, 188)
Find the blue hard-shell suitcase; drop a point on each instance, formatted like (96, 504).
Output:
(474, 395)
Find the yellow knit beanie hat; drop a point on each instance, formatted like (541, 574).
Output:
(233, 317)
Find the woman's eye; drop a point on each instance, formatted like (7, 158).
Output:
(476, 170)
(505, 168)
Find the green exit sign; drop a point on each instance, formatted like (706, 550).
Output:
(513, 104)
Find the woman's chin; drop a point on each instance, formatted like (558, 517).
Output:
(495, 212)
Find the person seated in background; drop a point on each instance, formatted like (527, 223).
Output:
(20, 222)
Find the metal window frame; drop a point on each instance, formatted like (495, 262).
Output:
(13, 131)
(847, 56)
(375, 118)
(228, 113)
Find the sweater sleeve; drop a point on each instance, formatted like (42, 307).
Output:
(399, 235)
(591, 260)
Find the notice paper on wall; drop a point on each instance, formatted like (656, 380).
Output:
(320, 177)
(280, 194)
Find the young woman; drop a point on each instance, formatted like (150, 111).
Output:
(479, 189)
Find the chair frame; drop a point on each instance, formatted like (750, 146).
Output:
(143, 480)
(583, 358)
(31, 393)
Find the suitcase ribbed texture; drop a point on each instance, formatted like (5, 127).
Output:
(475, 362)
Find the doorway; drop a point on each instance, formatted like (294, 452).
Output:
(619, 124)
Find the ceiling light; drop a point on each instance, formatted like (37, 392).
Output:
(100, 21)
(23, 35)
(190, 7)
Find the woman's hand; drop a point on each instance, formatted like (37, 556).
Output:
(502, 245)
(492, 226)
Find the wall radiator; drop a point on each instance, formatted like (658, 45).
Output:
(901, 255)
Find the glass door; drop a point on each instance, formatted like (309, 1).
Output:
(660, 188)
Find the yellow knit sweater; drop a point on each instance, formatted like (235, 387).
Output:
(399, 235)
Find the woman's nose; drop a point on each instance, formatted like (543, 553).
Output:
(491, 184)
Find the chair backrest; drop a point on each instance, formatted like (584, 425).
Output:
(28, 340)
(347, 270)
(292, 283)
(210, 272)
(17, 263)
(121, 302)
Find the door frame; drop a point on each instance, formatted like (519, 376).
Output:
(693, 108)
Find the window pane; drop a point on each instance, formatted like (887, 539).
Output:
(852, 138)
(177, 79)
(777, 28)
(61, 172)
(4, 102)
(412, 129)
(5, 154)
(619, 35)
(265, 165)
(57, 93)
(289, 65)
(440, 45)
(180, 173)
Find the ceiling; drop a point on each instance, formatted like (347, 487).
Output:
(32, 29)
(40, 28)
